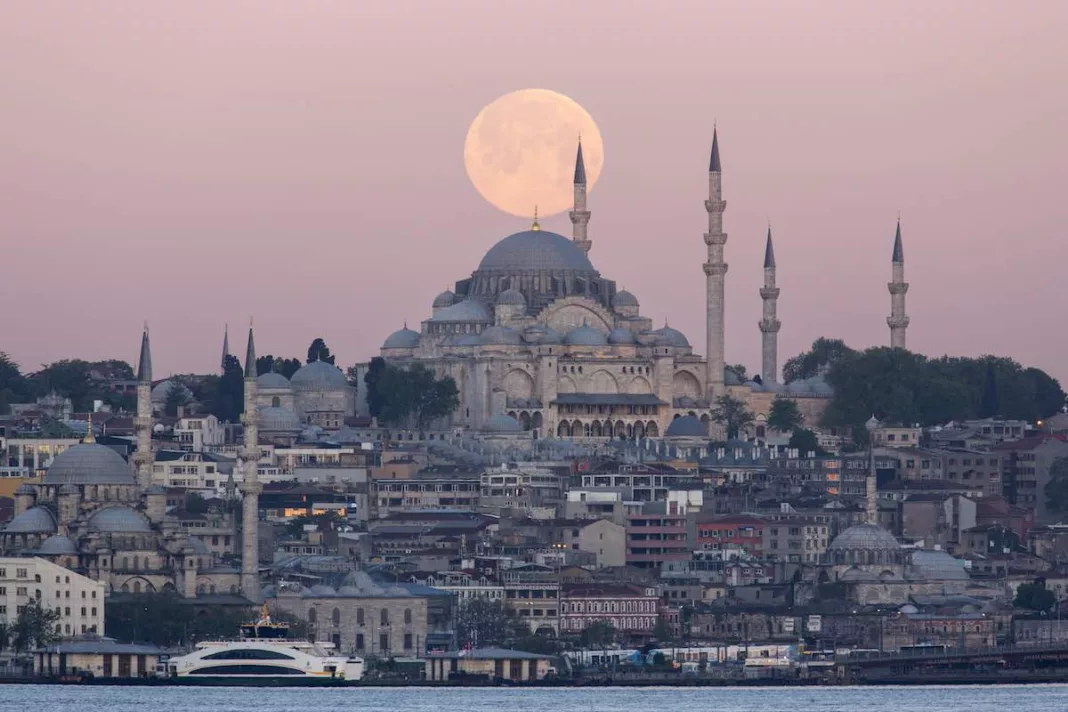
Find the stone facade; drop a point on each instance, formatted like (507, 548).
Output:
(368, 626)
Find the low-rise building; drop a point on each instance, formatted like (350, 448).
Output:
(490, 663)
(97, 656)
(79, 600)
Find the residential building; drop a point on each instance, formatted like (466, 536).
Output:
(1025, 471)
(632, 610)
(532, 593)
(194, 432)
(402, 495)
(796, 539)
(79, 600)
(604, 539)
(886, 435)
(741, 532)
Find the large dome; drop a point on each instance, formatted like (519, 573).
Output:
(89, 464)
(119, 519)
(319, 376)
(535, 250)
(866, 537)
(402, 339)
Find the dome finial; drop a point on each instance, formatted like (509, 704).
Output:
(89, 439)
(535, 227)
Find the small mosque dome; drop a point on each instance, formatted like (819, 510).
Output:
(800, 387)
(552, 336)
(502, 423)
(36, 520)
(118, 519)
(872, 422)
(647, 338)
(199, 546)
(512, 297)
(820, 387)
(89, 464)
(624, 298)
(272, 381)
(620, 336)
(162, 389)
(672, 337)
(867, 537)
(770, 386)
(534, 334)
(443, 300)
(685, 402)
(278, 419)
(465, 311)
(686, 427)
(57, 545)
(402, 339)
(25, 488)
(501, 335)
(319, 376)
(585, 336)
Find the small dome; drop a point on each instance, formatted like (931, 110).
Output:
(89, 464)
(754, 386)
(672, 337)
(271, 381)
(872, 422)
(119, 519)
(402, 339)
(585, 336)
(320, 590)
(512, 297)
(534, 334)
(731, 378)
(198, 545)
(278, 419)
(161, 389)
(686, 427)
(798, 388)
(820, 387)
(445, 299)
(319, 376)
(772, 386)
(647, 338)
(36, 520)
(535, 250)
(867, 537)
(501, 335)
(624, 298)
(552, 336)
(620, 336)
(685, 402)
(502, 423)
(57, 545)
(466, 311)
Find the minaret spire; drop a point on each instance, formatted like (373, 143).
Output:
(769, 324)
(143, 421)
(715, 274)
(898, 321)
(580, 216)
(250, 485)
(226, 347)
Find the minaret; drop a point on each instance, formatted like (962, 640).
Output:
(143, 421)
(898, 320)
(715, 272)
(250, 485)
(770, 324)
(580, 216)
(226, 347)
(871, 502)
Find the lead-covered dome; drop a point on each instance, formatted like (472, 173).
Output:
(687, 426)
(88, 464)
(535, 250)
(619, 335)
(672, 337)
(118, 519)
(402, 339)
(278, 419)
(57, 545)
(445, 299)
(501, 335)
(272, 381)
(319, 376)
(466, 311)
(511, 297)
(624, 298)
(35, 520)
(866, 537)
(585, 336)
(502, 423)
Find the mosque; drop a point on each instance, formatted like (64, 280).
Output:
(538, 340)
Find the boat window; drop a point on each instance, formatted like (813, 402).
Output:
(248, 654)
(245, 670)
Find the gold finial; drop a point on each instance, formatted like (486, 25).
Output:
(89, 439)
(535, 227)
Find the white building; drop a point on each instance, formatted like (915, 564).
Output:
(79, 600)
(193, 432)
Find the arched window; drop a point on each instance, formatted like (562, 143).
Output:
(312, 615)
(276, 402)
(359, 616)
(407, 616)
(383, 617)
(125, 563)
(137, 563)
(137, 587)
(335, 617)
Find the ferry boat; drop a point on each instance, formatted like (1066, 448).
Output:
(265, 653)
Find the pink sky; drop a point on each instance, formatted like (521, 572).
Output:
(194, 163)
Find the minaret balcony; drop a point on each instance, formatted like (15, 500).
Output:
(897, 287)
(770, 326)
(719, 238)
(897, 322)
(715, 269)
(769, 293)
(715, 206)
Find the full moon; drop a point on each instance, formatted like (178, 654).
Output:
(520, 151)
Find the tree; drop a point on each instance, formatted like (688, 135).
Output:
(264, 364)
(177, 397)
(988, 406)
(1049, 397)
(662, 631)
(371, 381)
(35, 627)
(226, 401)
(5, 635)
(598, 634)
(69, 378)
(824, 353)
(1056, 489)
(168, 620)
(784, 415)
(410, 397)
(14, 387)
(482, 623)
(319, 351)
(733, 414)
(741, 371)
(805, 441)
(195, 503)
(1035, 597)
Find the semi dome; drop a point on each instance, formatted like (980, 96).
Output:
(585, 336)
(278, 419)
(465, 311)
(319, 376)
(511, 297)
(402, 339)
(535, 250)
(624, 298)
(89, 464)
(57, 545)
(867, 537)
(445, 299)
(620, 335)
(36, 520)
(672, 337)
(272, 381)
(502, 423)
(471, 339)
(118, 519)
(687, 427)
(501, 335)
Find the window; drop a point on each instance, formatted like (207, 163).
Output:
(311, 615)
(383, 642)
(407, 616)
(383, 617)
(335, 617)
(247, 670)
(255, 654)
(359, 642)
(407, 641)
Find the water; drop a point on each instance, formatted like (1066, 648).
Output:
(1032, 698)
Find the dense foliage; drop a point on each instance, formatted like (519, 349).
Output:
(35, 627)
(319, 351)
(732, 414)
(1035, 597)
(276, 364)
(408, 396)
(784, 415)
